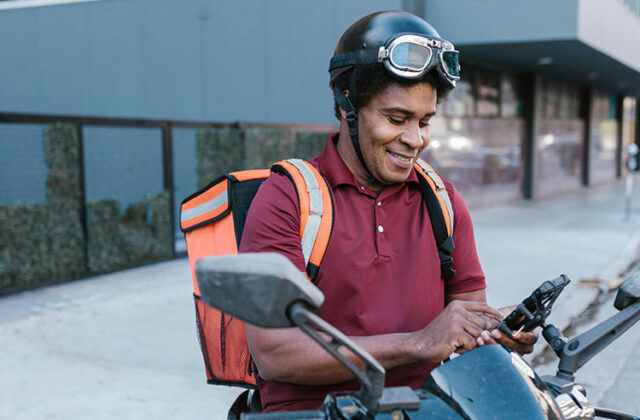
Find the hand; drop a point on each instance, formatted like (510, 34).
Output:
(521, 341)
(455, 329)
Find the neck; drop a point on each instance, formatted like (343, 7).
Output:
(350, 158)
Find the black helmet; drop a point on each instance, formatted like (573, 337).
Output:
(405, 44)
(385, 36)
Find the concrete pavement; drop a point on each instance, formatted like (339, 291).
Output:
(124, 345)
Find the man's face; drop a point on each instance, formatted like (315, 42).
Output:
(394, 129)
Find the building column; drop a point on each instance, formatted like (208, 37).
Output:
(637, 136)
(586, 114)
(620, 129)
(531, 115)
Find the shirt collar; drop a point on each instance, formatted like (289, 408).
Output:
(336, 172)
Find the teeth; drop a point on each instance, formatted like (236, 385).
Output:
(400, 156)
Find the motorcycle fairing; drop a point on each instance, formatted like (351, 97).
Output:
(492, 382)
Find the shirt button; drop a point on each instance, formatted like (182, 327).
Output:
(379, 203)
(380, 228)
(362, 188)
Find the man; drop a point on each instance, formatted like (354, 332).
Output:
(381, 273)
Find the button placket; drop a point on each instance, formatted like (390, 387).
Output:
(382, 242)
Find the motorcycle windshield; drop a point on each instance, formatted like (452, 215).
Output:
(492, 382)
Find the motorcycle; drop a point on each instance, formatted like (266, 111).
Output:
(489, 382)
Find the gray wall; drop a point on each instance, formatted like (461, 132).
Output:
(495, 21)
(608, 26)
(614, 30)
(250, 60)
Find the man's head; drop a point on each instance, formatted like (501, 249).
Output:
(388, 52)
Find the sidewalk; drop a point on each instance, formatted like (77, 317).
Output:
(124, 345)
(583, 234)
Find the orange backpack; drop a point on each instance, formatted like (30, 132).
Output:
(212, 220)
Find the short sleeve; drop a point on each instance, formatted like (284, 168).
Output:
(273, 221)
(469, 275)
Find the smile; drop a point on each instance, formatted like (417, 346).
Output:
(400, 160)
(401, 157)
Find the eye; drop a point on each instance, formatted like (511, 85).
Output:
(424, 123)
(395, 120)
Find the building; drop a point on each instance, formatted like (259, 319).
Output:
(112, 111)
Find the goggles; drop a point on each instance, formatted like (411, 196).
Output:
(409, 57)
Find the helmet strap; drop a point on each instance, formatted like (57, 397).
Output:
(352, 121)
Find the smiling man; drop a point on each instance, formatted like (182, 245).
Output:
(381, 274)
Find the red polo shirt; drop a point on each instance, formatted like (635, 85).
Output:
(381, 271)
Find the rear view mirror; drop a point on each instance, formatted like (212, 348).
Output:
(629, 292)
(257, 288)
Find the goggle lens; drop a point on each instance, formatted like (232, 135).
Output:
(409, 56)
(449, 60)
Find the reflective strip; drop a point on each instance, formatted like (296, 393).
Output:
(441, 190)
(315, 207)
(203, 208)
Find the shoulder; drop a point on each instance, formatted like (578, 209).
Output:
(277, 193)
(273, 220)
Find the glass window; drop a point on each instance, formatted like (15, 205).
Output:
(559, 100)
(128, 210)
(603, 141)
(41, 236)
(510, 97)
(558, 160)
(460, 102)
(185, 175)
(23, 171)
(487, 93)
(481, 156)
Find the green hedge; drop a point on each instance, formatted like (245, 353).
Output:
(44, 241)
(224, 150)
(141, 234)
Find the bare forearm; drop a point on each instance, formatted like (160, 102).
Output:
(288, 355)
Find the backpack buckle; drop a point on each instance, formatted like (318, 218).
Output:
(446, 260)
(446, 267)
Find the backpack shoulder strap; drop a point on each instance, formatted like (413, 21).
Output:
(316, 209)
(436, 198)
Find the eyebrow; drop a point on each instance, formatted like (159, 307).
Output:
(407, 113)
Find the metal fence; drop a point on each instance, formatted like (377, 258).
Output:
(81, 196)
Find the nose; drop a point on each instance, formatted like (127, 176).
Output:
(414, 136)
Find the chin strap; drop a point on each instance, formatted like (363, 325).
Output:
(352, 122)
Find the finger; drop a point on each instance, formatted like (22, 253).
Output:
(489, 322)
(497, 334)
(474, 312)
(486, 337)
(471, 328)
(467, 341)
(527, 337)
(483, 308)
(504, 311)
(517, 345)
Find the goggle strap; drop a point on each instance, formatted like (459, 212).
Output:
(352, 58)
(352, 120)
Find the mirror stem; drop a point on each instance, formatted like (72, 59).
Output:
(582, 348)
(371, 378)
